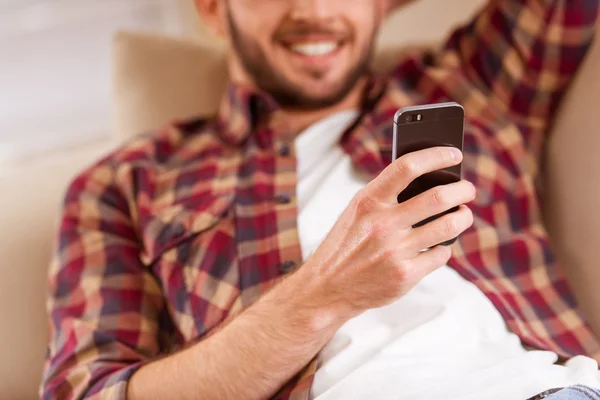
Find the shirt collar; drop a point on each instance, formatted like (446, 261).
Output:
(242, 111)
(373, 105)
(246, 112)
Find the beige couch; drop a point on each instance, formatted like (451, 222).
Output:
(158, 79)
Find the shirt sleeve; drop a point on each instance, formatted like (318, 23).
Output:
(104, 305)
(525, 52)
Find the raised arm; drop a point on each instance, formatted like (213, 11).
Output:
(525, 52)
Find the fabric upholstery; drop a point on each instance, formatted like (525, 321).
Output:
(28, 220)
(159, 79)
(573, 185)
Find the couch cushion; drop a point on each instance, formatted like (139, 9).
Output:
(572, 180)
(158, 79)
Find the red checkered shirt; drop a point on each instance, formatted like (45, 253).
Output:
(163, 239)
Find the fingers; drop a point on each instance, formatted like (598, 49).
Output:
(428, 261)
(440, 230)
(400, 173)
(435, 201)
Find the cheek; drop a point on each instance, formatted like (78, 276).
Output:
(256, 21)
(364, 20)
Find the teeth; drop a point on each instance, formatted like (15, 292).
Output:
(315, 49)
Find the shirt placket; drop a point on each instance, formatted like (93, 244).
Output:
(286, 206)
(266, 214)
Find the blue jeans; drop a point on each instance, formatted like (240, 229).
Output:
(577, 392)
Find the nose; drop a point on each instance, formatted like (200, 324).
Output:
(312, 9)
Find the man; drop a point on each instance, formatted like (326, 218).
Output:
(262, 254)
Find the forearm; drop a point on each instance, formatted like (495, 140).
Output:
(251, 357)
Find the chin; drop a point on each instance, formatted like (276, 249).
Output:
(321, 95)
(321, 89)
(303, 90)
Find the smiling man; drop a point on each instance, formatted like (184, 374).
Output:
(263, 254)
(305, 62)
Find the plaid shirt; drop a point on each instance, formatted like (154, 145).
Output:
(163, 239)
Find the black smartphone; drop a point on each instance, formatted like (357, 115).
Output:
(421, 127)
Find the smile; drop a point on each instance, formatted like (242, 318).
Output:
(315, 49)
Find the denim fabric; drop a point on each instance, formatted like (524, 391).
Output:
(576, 393)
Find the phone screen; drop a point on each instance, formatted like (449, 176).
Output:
(418, 128)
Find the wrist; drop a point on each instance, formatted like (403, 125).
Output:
(307, 299)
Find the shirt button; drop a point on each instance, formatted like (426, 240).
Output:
(284, 150)
(283, 198)
(287, 266)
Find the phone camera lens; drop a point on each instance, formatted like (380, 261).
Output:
(408, 118)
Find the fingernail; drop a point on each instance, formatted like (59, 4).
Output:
(455, 153)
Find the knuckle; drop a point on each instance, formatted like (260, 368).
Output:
(361, 196)
(389, 255)
(401, 272)
(439, 196)
(450, 226)
(380, 229)
(406, 166)
(362, 201)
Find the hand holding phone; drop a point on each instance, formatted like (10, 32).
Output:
(373, 255)
(422, 127)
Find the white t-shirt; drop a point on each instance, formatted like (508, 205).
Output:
(444, 339)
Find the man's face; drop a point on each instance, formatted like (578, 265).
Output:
(307, 54)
